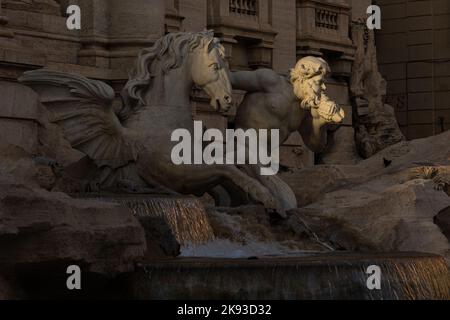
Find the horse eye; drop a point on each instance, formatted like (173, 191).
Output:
(215, 66)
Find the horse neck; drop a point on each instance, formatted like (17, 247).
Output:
(168, 103)
(171, 89)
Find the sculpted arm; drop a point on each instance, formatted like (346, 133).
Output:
(315, 126)
(314, 133)
(261, 80)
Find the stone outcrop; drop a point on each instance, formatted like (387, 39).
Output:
(388, 202)
(394, 201)
(388, 218)
(18, 163)
(375, 123)
(39, 227)
(443, 221)
(43, 232)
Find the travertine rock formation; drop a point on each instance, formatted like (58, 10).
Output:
(39, 227)
(374, 121)
(443, 221)
(397, 200)
(42, 230)
(388, 202)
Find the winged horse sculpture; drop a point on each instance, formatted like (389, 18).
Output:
(133, 142)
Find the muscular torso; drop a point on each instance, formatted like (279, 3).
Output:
(277, 109)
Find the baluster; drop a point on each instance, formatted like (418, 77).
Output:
(244, 8)
(234, 6)
(3, 19)
(254, 10)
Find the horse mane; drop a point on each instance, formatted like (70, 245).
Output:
(169, 52)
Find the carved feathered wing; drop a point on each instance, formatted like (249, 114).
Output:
(83, 108)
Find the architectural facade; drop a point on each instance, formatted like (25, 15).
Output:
(255, 33)
(414, 57)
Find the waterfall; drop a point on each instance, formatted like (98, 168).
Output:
(185, 216)
(404, 276)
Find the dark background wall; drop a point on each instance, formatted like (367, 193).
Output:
(414, 56)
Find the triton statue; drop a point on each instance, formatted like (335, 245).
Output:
(295, 104)
(276, 102)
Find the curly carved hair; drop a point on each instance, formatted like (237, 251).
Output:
(167, 53)
(308, 67)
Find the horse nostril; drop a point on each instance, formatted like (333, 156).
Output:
(228, 99)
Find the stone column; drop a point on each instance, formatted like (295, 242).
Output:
(173, 17)
(94, 33)
(3, 19)
(113, 31)
(3, 22)
(134, 24)
(217, 9)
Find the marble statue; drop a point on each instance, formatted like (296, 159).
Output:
(295, 104)
(273, 101)
(131, 141)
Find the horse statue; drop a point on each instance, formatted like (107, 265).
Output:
(132, 142)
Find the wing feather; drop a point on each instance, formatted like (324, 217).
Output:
(83, 108)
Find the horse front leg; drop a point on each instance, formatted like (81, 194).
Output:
(201, 176)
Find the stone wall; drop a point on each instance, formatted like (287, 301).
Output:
(256, 33)
(414, 56)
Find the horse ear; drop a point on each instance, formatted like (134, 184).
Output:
(213, 43)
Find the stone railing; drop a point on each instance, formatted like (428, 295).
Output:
(244, 8)
(327, 19)
(3, 19)
(245, 25)
(323, 29)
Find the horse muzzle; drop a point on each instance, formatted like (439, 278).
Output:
(221, 100)
(224, 104)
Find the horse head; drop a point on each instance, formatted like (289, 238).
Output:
(197, 58)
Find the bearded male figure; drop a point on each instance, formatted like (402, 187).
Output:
(299, 104)
(273, 101)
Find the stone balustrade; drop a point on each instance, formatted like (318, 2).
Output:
(244, 8)
(245, 26)
(323, 28)
(327, 19)
(3, 19)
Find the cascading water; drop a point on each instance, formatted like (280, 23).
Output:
(185, 216)
(248, 259)
(404, 276)
(248, 233)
